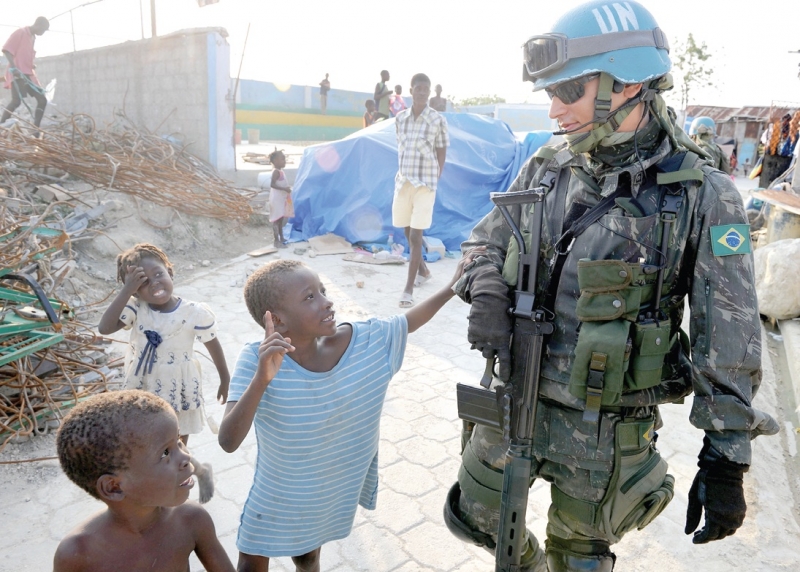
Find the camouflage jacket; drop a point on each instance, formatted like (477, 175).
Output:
(725, 334)
(719, 159)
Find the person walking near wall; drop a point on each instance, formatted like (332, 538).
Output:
(324, 88)
(20, 77)
(381, 96)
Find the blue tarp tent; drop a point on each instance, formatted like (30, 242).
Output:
(346, 187)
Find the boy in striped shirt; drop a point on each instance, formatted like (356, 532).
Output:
(314, 391)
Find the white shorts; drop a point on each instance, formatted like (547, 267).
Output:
(413, 207)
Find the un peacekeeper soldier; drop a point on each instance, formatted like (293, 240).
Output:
(702, 131)
(616, 352)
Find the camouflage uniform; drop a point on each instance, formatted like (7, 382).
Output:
(578, 456)
(719, 159)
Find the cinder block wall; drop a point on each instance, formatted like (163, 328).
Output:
(176, 85)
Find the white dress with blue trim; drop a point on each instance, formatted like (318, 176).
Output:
(161, 360)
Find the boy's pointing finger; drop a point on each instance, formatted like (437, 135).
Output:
(269, 327)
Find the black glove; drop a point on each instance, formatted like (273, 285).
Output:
(718, 489)
(490, 324)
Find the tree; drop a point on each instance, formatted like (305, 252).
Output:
(480, 100)
(693, 69)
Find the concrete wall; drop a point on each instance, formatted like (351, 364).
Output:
(176, 85)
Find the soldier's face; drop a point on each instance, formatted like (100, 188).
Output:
(572, 115)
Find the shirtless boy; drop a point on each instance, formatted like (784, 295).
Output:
(124, 449)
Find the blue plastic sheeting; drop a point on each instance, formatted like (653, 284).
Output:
(346, 187)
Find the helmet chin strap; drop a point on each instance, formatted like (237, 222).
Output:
(607, 121)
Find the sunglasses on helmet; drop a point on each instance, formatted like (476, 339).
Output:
(544, 54)
(570, 91)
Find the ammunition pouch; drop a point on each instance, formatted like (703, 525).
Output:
(615, 354)
(639, 489)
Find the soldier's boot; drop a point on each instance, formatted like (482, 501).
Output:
(533, 557)
(578, 556)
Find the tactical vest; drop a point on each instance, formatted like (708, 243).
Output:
(623, 334)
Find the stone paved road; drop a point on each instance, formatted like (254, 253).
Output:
(419, 456)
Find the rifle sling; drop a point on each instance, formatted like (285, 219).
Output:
(574, 231)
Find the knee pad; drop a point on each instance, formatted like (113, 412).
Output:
(533, 558)
(578, 556)
(456, 525)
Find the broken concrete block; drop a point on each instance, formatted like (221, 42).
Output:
(776, 268)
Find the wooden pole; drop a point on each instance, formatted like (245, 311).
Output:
(235, 90)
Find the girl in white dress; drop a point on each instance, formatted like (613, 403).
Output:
(160, 358)
(280, 200)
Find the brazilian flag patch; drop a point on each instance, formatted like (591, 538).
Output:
(730, 239)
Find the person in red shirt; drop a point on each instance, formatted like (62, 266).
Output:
(20, 77)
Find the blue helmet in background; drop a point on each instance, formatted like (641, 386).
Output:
(702, 125)
(621, 39)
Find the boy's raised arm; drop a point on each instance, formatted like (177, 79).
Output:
(239, 414)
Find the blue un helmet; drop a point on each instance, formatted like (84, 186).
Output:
(702, 125)
(618, 41)
(621, 39)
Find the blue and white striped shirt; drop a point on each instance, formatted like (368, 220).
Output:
(317, 439)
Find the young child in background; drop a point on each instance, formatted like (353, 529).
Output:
(123, 448)
(314, 392)
(369, 114)
(163, 327)
(396, 101)
(280, 201)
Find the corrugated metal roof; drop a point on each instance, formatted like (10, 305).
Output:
(750, 113)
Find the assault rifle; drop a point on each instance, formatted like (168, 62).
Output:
(512, 407)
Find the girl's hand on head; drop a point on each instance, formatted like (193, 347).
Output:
(466, 259)
(134, 278)
(272, 349)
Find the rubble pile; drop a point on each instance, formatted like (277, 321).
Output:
(49, 359)
(54, 189)
(126, 159)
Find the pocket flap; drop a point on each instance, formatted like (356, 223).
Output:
(605, 306)
(653, 342)
(603, 275)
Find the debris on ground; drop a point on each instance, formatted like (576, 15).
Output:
(122, 158)
(62, 191)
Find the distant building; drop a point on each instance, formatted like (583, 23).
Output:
(744, 125)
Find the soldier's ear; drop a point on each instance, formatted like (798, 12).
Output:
(631, 90)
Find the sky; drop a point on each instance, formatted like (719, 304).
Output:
(472, 48)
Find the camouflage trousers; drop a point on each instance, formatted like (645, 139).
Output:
(618, 483)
